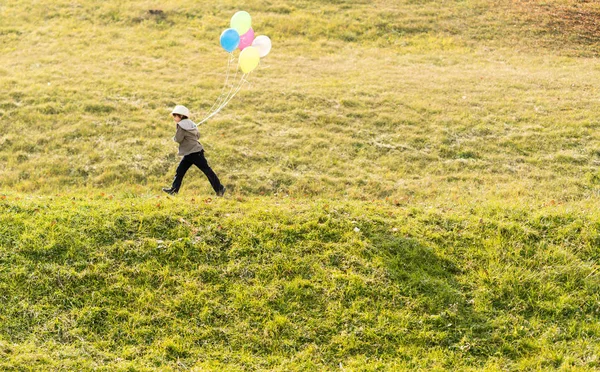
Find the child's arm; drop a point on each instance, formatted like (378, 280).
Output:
(178, 135)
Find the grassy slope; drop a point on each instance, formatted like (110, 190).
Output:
(458, 137)
(416, 100)
(285, 284)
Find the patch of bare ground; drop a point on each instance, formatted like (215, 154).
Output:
(571, 25)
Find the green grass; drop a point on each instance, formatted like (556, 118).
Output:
(116, 283)
(412, 185)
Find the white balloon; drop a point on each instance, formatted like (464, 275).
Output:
(263, 44)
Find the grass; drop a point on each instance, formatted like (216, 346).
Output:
(117, 283)
(411, 185)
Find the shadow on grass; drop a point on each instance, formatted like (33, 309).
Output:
(439, 304)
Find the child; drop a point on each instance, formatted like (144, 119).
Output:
(192, 151)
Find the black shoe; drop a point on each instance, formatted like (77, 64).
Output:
(222, 191)
(169, 191)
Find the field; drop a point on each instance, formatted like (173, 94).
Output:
(412, 185)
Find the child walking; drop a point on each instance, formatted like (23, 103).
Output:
(187, 136)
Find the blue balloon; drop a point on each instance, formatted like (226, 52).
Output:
(230, 39)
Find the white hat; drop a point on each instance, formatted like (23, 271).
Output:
(181, 110)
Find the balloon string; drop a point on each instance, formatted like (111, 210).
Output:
(220, 96)
(218, 101)
(228, 93)
(228, 99)
(226, 79)
(237, 70)
(242, 81)
(237, 89)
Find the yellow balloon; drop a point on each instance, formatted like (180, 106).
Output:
(241, 22)
(249, 59)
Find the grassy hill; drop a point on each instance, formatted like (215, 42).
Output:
(411, 185)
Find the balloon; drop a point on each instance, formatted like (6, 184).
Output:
(263, 44)
(230, 39)
(249, 59)
(246, 39)
(241, 21)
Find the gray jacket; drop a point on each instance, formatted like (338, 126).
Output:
(187, 137)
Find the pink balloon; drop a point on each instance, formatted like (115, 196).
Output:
(246, 39)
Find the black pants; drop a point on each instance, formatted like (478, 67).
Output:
(198, 160)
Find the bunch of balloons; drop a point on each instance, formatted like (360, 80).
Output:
(240, 36)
